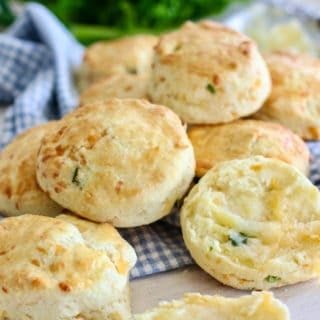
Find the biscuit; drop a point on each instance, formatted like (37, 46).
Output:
(120, 161)
(124, 85)
(132, 55)
(257, 306)
(19, 191)
(63, 268)
(208, 74)
(244, 138)
(294, 100)
(254, 223)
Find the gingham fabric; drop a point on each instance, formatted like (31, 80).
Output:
(37, 59)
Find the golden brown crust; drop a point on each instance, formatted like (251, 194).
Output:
(19, 191)
(244, 138)
(131, 55)
(295, 95)
(123, 161)
(64, 266)
(116, 86)
(208, 73)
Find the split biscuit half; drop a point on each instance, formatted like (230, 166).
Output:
(132, 54)
(254, 224)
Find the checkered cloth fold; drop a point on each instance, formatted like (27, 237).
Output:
(37, 59)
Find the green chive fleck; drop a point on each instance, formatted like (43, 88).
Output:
(132, 70)
(211, 88)
(178, 47)
(238, 239)
(272, 279)
(178, 203)
(210, 248)
(75, 177)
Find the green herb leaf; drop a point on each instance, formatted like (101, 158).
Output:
(178, 203)
(211, 88)
(238, 239)
(132, 70)
(210, 248)
(6, 14)
(75, 177)
(272, 279)
(116, 19)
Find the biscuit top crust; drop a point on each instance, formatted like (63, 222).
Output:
(295, 95)
(125, 85)
(18, 181)
(66, 254)
(22, 154)
(197, 47)
(106, 154)
(128, 54)
(257, 306)
(244, 138)
(295, 76)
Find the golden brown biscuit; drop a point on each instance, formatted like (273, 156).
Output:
(208, 73)
(254, 224)
(132, 55)
(64, 268)
(124, 85)
(19, 191)
(122, 161)
(294, 100)
(245, 138)
(193, 306)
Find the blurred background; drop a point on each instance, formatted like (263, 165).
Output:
(93, 20)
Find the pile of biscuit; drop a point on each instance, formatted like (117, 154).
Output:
(153, 114)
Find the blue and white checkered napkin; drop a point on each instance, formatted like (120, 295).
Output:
(37, 59)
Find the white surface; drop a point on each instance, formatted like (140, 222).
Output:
(302, 299)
